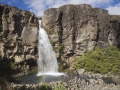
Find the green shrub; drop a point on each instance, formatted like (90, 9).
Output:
(60, 47)
(99, 29)
(72, 6)
(63, 68)
(60, 87)
(13, 65)
(113, 17)
(100, 61)
(37, 25)
(27, 16)
(7, 15)
(54, 41)
(45, 86)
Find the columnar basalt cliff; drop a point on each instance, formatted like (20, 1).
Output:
(76, 29)
(18, 40)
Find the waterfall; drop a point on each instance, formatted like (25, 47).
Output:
(47, 62)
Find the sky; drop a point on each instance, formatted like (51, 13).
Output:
(39, 6)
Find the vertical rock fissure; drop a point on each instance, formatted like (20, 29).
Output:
(60, 33)
(98, 31)
(73, 35)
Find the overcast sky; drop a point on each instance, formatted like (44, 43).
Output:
(39, 6)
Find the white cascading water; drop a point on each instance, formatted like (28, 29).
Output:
(47, 62)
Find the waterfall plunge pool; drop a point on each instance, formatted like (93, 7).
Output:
(47, 61)
(49, 77)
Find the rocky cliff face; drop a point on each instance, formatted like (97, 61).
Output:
(76, 29)
(18, 39)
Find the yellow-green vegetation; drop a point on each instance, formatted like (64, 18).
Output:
(64, 69)
(60, 68)
(100, 61)
(54, 41)
(49, 30)
(113, 17)
(72, 6)
(34, 70)
(6, 15)
(60, 47)
(99, 29)
(32, 66)
(45, 86)
(68, 70)
(13, 65)
(27, 16)
(37, 25)
(60, 86)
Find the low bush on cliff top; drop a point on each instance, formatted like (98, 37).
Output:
(100, 61)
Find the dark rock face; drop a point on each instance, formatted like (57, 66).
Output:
(18, 38)
(75, 29)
